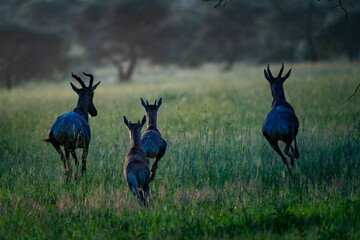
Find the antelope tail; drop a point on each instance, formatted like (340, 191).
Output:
(47, 140)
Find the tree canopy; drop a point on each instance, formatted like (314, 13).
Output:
(58, 35)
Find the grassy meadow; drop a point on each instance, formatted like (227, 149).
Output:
(219, 177)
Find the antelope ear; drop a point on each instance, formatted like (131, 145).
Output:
(267, 76)
(143, 103)
(126, 122)
(159, 104)
(286, 76)
(95, 86)
(143, 121)
(74, 88)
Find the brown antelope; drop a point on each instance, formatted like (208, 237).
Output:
(152, 143)
(72, 129)
(136, 166)
(281, 122)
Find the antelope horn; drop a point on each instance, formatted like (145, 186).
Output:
(78, 79)
(268, 69)
(91, 78)
(147, 103)
(155, 102)
(281, 70)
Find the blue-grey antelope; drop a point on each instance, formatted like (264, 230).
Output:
(281, 122)
(152, 143)
(136, 166)
(72, 129)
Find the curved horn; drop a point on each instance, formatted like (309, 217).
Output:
(95, 86)
(126, 121)
(143, 121)
(78, 79)
(155, 102)
(147, 103)
(143, 103)
(268, 69)
(287, 75)
(91, 78)
(281, 70)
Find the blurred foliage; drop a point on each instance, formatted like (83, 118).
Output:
(26, 53)
(344, 38)
(94, 33)
(130, 31)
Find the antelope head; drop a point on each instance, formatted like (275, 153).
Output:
(151, 110)
(276, 83)
(135, 130)
(86, 94)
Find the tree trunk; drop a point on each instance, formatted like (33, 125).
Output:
(228, 65)
(125, 76)
(121, 76)
(351, 55)
(8, 78)
(8, 83)
(312, 49)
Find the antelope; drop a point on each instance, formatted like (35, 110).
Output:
(153, 145)
(281, 122)
(136, 166)
(72, 129)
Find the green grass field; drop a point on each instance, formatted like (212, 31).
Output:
(219, 177)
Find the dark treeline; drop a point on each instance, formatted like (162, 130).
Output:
(43, 39)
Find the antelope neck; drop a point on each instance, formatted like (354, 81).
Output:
(278, 94)
(279, 101)
(82, 108)
(151, 119)
(135, 139)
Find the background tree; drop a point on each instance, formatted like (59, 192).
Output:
(47, 15)
(86, 28)
(126, 32)
(80, 34)
(294, 26)
(230, 33)
(178, 36)
(341, 37)
(26, 53)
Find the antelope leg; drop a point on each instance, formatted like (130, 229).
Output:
(287, 152)
(275, 146)
(62, 157)
(155, 165)
(141, 194)
(146, 191)
(83, 159)
(136, 193)
(295, 151)
(69, 169)
(73, 153)
(68, 163)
